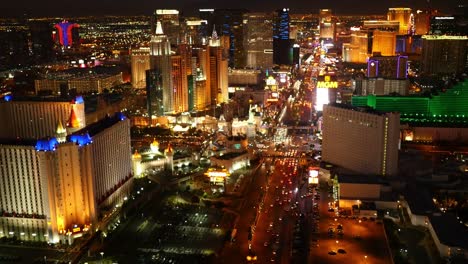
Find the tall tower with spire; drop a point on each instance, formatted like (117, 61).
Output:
(160, 60)
(218, 69)
(61, 133)
(214, 40)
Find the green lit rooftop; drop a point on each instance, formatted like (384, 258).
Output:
(447, 108)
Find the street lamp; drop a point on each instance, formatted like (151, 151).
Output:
(365, 259)
(102, 256)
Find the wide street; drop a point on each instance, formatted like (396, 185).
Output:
(236, 252)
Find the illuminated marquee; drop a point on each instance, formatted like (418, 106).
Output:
(217, 175)
(327, 83)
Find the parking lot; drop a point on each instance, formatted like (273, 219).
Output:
(173, 231)
(347, 240)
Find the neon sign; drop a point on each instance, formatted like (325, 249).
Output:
(322, 84)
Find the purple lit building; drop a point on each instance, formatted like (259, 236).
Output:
(392, 67)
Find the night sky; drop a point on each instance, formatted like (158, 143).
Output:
(144, 7)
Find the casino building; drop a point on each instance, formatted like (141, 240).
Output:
(55, 188)
(434, 118)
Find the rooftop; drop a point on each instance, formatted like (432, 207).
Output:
(364, 109)
(360, 179)
(59, 99)
(419, 200)
(231, 155)
(18, 141)
(95, 128)
(449, 230)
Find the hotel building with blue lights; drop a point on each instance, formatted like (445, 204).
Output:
(56, 188)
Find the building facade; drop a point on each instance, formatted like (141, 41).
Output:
(258, 39)
(282, 44)
(348, 132)
(179, 80)
(402, 15)
(395, 67)
(218, 68)
(33, 119)
(384, 42)
(444, 54)
(83, 83)
(160, 59)
(54, 191)
(140, 63)
(381, 86)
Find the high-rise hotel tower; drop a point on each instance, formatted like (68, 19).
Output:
(160, 60)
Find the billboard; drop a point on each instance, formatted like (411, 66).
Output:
(313, 175)
(322, 97)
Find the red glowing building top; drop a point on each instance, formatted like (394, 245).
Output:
(64, 31)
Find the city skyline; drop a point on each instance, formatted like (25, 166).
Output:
(143, 7)
(234, 132)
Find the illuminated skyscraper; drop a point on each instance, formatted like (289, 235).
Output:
(218, 66)
(233, 27)
(444, 54)
(402, 15)
(179, 80)
(446, 25)
(160, 60)
(154, 94)
(357, 50)
(325, 15)
(193, 31)
(140, 63)
(281, 24)
(366, 42)
(169, 19)
(282, 44)
(201, 73)
(327, 25)
(421, 22)
(66, 33)
(258, 39)
(383, 42)
(228, 22)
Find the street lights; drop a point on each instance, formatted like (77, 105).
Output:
(365, 259)
(102, 256)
